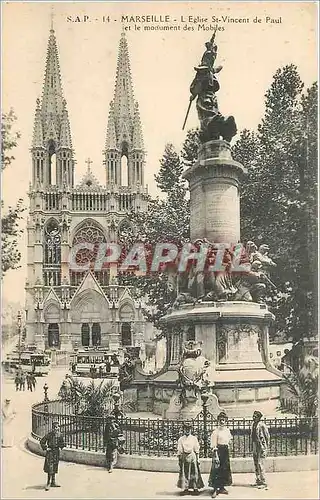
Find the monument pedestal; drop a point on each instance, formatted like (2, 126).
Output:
(234, 338)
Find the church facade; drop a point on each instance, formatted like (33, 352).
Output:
(67, 309)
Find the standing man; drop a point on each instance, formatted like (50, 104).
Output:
(22, 381)
(33, 381)
(260, 439)
(111, 436)
(51, 444)
(29, 383)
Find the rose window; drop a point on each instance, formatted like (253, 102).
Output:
(88, 233)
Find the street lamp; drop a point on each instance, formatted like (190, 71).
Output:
(205, 397)
(45, 388)
(46, 401)
(19, 333)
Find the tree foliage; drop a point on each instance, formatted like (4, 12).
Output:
(9, 138)
(303, 386)
(10, 230)
(90, 399)
(278, 198)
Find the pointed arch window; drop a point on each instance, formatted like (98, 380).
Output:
(124, 171)
(52, 254)
(52, 173)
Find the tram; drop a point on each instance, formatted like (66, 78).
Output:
(97, 363)
(35, 362)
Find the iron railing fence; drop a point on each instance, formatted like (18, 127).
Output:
(159, 437)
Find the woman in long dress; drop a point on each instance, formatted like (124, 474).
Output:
(188, 456)
(220, 474)
(8, 415)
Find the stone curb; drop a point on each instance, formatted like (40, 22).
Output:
(170, 464)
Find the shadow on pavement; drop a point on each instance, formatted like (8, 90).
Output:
(243, 485)
(35, 487)
(168, 493)
(178, 493)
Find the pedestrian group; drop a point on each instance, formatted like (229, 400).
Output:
(220, 473)
(188, 454)
(21, 378)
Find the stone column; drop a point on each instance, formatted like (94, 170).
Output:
(214, 194)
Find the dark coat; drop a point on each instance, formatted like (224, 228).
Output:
(51, 443)
(111, 436)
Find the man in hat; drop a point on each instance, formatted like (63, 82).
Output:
(51, 444)
(260, 439)
(112, 441)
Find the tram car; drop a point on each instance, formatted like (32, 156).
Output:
(96, 363)
(29, 361)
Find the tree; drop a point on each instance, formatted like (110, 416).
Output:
(167, 220)
(87, 399)
(278, 199)
(10, 230)
(9, 138)
(303, 386)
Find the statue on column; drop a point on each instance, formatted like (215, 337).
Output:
(213, 124)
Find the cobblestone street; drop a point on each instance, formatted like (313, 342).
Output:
(22, 475)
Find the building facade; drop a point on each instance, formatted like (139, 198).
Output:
(66, 308)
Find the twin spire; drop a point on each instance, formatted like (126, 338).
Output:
(52, 126)
(51, 117)
(124, 126)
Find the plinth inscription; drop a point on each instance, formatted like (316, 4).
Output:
(215, 213)
(222, 213)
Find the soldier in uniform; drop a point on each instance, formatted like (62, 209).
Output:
(51, 443)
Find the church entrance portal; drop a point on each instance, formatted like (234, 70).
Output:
(53, 335)
(126, 334)
(91, 335)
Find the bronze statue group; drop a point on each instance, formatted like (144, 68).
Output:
(220, 473)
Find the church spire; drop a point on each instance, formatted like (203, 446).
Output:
(55, 164)
(52, 95)
(124, 132)
(123, 94)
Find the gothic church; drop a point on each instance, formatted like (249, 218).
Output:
(67, 309)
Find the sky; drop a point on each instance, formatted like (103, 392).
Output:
(162, 67)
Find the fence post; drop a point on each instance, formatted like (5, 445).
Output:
(46, 401)
(205, 398)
